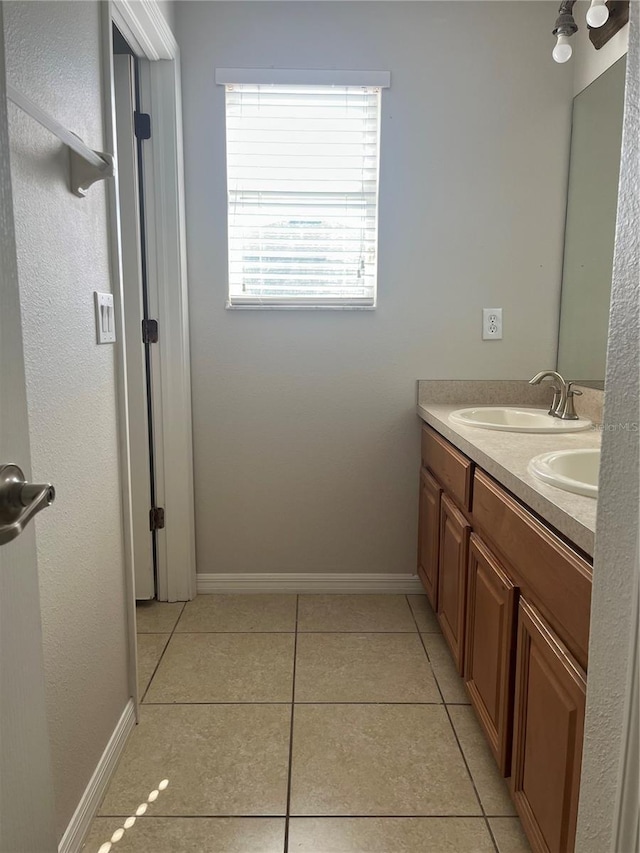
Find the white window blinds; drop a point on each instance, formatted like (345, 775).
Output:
(302, 179)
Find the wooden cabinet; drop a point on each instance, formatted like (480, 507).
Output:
(490, 648)
(548, 731)
(452, 577)
(513, 601)
(429, 535)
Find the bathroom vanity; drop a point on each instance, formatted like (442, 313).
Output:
(507, 567)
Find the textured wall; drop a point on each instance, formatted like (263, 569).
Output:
(305, 435)
(616, 556)
(53, 56)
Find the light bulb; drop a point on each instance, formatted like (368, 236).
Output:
(598, 14)
(563, 50)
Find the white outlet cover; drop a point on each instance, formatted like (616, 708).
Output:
(105, 318)
(492, 324)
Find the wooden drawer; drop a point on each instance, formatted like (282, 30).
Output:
(553, 576)
(452, 468)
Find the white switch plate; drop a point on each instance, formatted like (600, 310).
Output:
(492, 324)
(105, 318)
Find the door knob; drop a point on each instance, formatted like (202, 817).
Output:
(20, 501)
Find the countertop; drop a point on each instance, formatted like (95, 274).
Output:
(505, 456)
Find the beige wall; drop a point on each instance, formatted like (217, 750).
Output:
(53, 56)
(306, 440)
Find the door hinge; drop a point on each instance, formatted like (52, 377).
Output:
(156, 518)
(142, 125)
(149, 331)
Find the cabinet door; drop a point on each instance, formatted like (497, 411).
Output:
(490, 648)
(429, 535)
(547, 736)
(452, 577)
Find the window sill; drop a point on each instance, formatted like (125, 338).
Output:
(230, 307)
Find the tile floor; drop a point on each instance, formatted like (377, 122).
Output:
(310, 723)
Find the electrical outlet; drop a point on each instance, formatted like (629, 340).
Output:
(105, 318)
(492, 324)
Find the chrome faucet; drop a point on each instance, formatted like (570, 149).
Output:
(562, 405)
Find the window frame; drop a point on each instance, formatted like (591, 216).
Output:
(305, 77)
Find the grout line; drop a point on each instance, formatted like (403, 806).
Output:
(279, 631)
(293, 698)
(491, 835)
(455, 733)
(306, 816)
(422, 643)
(453, 729)
(408, 633)
(436, 703)
(433, 669)
(166, 646)
(466, 764)
(413, 615)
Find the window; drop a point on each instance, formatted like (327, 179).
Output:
(302, 183)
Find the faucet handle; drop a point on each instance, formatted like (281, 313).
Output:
(568, 412)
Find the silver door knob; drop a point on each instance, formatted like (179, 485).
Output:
(20, 501)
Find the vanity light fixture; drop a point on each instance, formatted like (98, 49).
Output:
(601, 12)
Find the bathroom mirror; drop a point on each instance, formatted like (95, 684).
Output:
(596, 138)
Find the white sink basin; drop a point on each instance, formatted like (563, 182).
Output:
(515, 419)
(572, 470)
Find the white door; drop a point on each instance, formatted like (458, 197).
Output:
(26, 789)
(137, 354)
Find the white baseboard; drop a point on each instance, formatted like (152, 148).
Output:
(88, 806)
(327, 582)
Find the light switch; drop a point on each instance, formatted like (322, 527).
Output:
(105, 318)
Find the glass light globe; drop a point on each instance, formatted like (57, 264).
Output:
(598, 14)
(563, 50)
